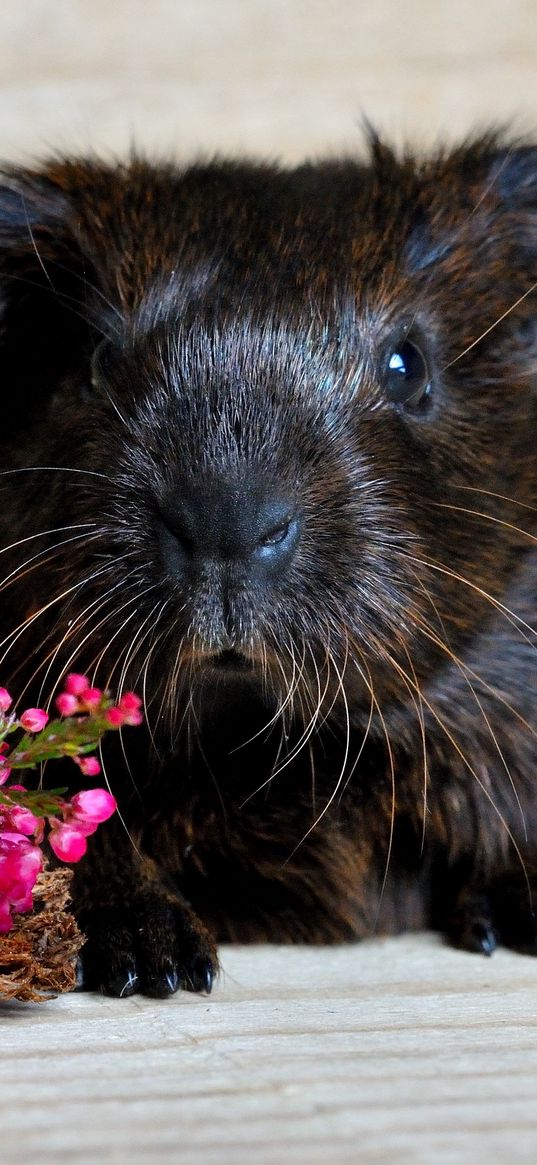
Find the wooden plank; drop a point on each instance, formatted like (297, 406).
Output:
(396, 1051)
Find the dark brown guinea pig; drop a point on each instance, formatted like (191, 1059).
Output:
(269, 459)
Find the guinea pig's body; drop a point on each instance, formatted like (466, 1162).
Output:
(269, 459)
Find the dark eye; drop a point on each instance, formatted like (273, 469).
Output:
(407, 377)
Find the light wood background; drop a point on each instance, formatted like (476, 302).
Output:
(279, 77)
(403, 1052)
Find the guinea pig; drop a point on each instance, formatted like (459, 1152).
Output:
(268, 458)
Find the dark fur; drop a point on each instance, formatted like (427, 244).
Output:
(250, 312)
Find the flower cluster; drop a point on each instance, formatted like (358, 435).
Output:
(28, 818)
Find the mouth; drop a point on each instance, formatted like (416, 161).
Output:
(230, 662)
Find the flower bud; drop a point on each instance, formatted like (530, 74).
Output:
(66, 704)
(5, 700)
(75, 684)
(89, 765)
(33, 719)
(68, 843)
(92, 806)
(91, 698)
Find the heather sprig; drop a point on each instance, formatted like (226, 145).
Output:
(31, 817)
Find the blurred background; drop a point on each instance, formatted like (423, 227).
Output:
(283, 78)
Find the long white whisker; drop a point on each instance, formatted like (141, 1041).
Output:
(340, 778)
(490, 329)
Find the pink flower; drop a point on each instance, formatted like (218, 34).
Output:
(67, 841)
(91, 698)
(20, 863)
(115, 717)
(5, 770)
(89, 765)
(66, 704)
(23, 820)
(75, 684)
(131, 706)
(128, 711)
(5, 700)
(33, 719)
(82, 815)
(89, 808)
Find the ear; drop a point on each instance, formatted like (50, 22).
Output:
(514, 172)
(45, 327)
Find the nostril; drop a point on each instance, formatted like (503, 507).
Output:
(178, 547)
(278, 540)
(179, 522)
(276, 535)
(183, 539)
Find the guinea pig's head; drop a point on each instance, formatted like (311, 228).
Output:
(269, 424)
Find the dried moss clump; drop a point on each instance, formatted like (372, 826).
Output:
(38, 956)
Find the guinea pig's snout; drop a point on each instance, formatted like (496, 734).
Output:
(219, 522)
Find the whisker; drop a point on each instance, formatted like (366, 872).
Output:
(363, 742)
(291, 688)
(465, 672)
(488, 517)
(55, 469)
(490, 329)
(421, 721)
(391, 763)
(44, 533)
(143, 673)
(501, 497)
(499, 606)
(308, 731)
(34, 244)
(89, 319)
(25, 567)
(119, 814)
(443, 727)
(340, 778)
(82, 621)
(97, 660)
(16, 633)
(131, 650)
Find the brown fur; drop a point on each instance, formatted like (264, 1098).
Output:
(343, 741)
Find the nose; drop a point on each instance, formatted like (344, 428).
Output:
(222, 522)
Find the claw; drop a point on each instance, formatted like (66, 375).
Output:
(124, 984)
(201, 976)
(162, 984)
(485, 938)
(80, 978)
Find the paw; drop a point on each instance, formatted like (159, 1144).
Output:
(471, 926)
(504, 913)
(153, 946)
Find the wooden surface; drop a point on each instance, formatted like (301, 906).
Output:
(402, 1051)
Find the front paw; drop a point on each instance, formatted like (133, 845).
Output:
(501, 913)
(153, 945)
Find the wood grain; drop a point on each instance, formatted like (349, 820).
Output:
(401, 1051)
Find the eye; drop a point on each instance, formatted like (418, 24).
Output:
(407, 377)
